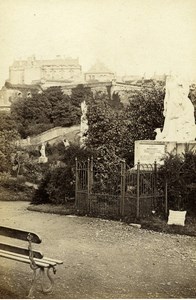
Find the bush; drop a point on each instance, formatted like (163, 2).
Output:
(14, 184)
(57, 187)
(41, 195)
(180, 172)
(58, 183)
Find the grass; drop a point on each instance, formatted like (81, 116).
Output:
(8, 194)
(160, 225)
(61, 209)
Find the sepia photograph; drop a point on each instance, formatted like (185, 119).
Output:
(97, 149)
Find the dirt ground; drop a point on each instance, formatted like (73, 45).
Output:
(102, 259)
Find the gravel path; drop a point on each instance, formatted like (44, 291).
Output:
(102, 259)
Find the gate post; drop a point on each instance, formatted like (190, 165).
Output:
(166, 197)
(138, 190)
(91, 174)
(76, 184)
(88, 186)
(155, 185)
(89, 182)
(122, 188)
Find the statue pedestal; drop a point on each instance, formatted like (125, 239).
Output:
(147, 151)
(43, 160)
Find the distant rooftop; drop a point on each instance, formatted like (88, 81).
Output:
(58, 61)
(99, 67)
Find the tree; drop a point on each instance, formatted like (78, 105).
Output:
(47, 110)
(7, 149)
(145, 113)
(30, 113)
(8, 135)
(7, 122)
(145, 110)
(117, 127)
(79, 94)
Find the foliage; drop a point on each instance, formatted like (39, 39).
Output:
(106, 170)
(56, 187)
(145, 113)
(8, 135)
(58, 182)
(7, 122)
(117, 127)
(41, 195)
(58, 152)
(73, 152)
(7, 149)
(79, 94)
(47, 110)
(180, 172)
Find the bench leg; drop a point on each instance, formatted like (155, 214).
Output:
(30, 295)
(43, 275)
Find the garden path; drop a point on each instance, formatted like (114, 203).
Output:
(102, 259)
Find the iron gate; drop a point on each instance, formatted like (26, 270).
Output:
(133, 192)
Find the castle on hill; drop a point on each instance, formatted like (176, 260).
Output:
(69, 70)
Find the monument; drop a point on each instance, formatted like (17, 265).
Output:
(83, 124)
(179, 131)
(43, 158)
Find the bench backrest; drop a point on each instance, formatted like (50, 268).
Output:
(19, 235)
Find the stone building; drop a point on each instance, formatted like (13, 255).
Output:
(99, 72)
(31, 71)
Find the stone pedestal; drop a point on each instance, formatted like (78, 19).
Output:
(43, 160)
(147, 151)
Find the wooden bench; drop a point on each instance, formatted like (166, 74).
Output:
(27, 255)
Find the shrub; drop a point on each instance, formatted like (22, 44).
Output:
(180, 172)
(41, 195)
(57, 186)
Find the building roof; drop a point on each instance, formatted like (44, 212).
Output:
(49, 62)
(99, 68)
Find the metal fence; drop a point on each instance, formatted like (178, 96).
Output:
(120, 191)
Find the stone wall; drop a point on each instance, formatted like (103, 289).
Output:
(52, 136)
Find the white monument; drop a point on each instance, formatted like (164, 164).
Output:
(83, 124)
(179, 122)
(179, 131)
(43, 158)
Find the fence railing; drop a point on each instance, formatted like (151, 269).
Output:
(120, 191)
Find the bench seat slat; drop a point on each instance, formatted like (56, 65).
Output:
(44, 262)
(19, 234)
(19, 250)
(58, 262)
(22, 258)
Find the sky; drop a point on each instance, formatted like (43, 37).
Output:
(131, 37)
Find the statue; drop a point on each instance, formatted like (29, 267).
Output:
(83, 124)
(43, 158)
(42, 150)
(179, 122)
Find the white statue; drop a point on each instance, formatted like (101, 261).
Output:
(159, 135)
(43, 158)
(42, 150)
(83, 124)
(179, 122)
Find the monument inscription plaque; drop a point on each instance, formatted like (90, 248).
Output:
(146, 152)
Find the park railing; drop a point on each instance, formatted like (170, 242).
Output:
(119, 191)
